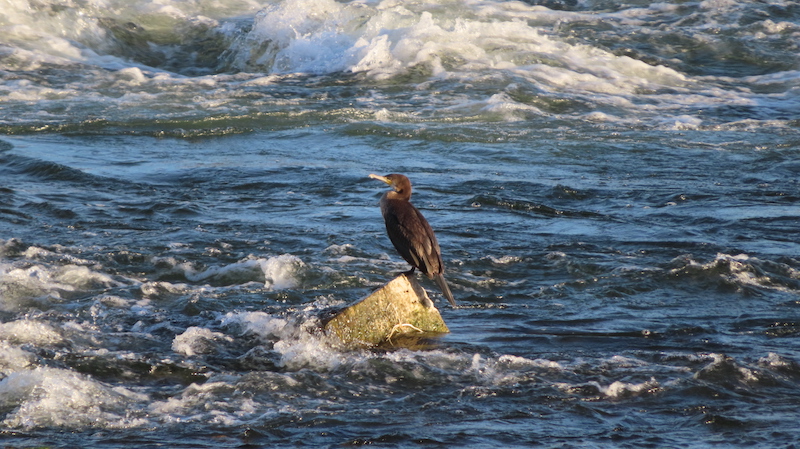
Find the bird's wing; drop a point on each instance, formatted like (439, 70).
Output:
(401, 235)
(413, 237)
(428, 248)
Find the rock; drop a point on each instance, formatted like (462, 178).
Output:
(399, 313)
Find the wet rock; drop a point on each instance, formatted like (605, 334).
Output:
(399, 313)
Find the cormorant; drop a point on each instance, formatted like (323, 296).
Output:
(410, 232)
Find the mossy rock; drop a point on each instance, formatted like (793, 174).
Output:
(398, 313)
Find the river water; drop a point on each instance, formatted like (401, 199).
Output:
(614, 185)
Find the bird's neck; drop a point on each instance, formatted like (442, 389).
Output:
(395, 195)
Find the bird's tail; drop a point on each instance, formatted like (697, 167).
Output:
(439, 278)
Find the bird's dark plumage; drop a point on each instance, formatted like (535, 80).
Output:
(410, 232)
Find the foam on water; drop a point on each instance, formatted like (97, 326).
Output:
(30, 332)
(36, 395)
(279, 273)
(14, 358)
(52, 397)
(612, 308)
(44, 283)
(521, 59)
(742, 271)
(44, 278)
(197, 340)
(303, 373)
(387, 40)
(297, 340)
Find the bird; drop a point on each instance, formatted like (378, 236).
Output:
(410, 232)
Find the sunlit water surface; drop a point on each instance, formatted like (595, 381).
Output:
(184, 188)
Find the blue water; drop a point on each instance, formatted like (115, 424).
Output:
(184, 189)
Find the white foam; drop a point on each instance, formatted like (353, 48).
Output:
(739, 269)
(340, 249)
(471, 42)
(44, 283)
(504, 260)
(261, 324)
(509, 110)
(197, 340)
(615, 390)
(220, 402)
(51, 397)
(13, 358)
(282, 272)
(277, 273)
(28, 331)
(517, 362)
(300, 342)
(133, 76)
(773, 360)
(182, 408)
(156, 288)
(81, 278)
(385, 39)
(620, 389)
(619, 361)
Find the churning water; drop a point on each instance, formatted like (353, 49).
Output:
(615, 187)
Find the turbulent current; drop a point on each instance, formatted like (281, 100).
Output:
(184, 187)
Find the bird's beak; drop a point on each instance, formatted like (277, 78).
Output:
(381, 178)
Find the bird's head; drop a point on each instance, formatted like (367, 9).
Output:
(399, 183)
